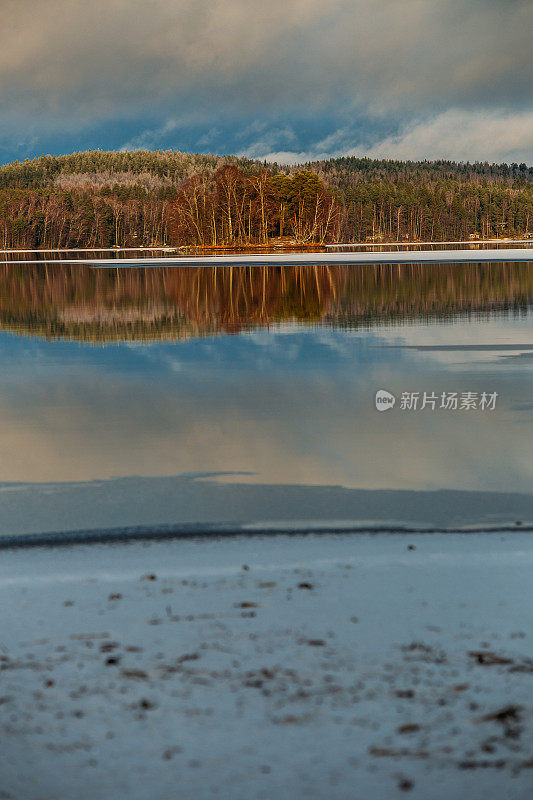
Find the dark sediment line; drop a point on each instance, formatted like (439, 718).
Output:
(210, 531)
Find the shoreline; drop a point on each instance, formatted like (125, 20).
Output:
(312, 246)
(222, 532)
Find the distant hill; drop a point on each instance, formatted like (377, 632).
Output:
(104, 199)
(348, 170)
(174, 167)
(171, 167)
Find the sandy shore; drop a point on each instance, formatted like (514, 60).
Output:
(365, 666)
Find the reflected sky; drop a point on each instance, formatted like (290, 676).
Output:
(291, 403)
(294, 405)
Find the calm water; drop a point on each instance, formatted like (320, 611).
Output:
(167, 396)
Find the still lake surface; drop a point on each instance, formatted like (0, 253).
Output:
(168, 396)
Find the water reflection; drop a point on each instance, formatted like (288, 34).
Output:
(286, 405)
(76, 302)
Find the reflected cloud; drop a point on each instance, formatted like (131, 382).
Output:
(236, 406)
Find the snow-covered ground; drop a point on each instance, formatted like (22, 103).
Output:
(337, 666)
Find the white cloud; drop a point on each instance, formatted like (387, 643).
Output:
(209, 137)
(287, 156)
(462, 135)
(152, 137)
(269, 138)
(457, 134)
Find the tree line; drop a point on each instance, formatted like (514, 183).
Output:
(105, 199)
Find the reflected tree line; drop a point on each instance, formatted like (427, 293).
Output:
(76, 302)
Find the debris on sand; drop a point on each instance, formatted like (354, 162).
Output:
(488, 659)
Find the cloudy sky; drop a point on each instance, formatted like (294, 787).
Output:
(284, 79)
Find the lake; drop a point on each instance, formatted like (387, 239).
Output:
(245, 397)
(246, 464)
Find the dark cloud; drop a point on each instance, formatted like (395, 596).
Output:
(69, 64)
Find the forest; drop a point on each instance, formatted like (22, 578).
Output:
(154, 198)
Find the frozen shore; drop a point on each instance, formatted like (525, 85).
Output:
(304, 259)
(342, 666)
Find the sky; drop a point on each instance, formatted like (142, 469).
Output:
(285, 80)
